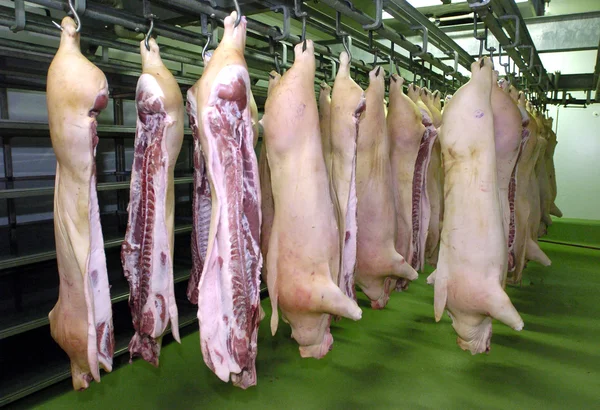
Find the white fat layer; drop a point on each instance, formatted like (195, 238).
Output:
(97, 293)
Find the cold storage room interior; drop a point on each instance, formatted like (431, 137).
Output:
(305, 204)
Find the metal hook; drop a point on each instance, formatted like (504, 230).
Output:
(205, 48)
(238, 11)
(517, 30)
(303, 38)
(276, 61)
(276, 54)
(347, 46)
(147, 38)
(77, 20)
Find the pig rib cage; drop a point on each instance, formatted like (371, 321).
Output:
(375, 40)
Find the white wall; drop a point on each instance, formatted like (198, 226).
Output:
(577, 161)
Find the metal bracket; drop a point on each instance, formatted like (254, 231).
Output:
(479, 6)
(80, 6)
(212, 35)
(393, 67)
(333, 67)
(376, 25)
(285, 35)
(19, 16)
(338, 25)
(146, 10)
(505, 65)
(540, 77)
(490, 49)
(372, 49)
(517, 30)
(425, 39)
(297, 9)
(275, 55)
(455, 70)
(531, 55)
(476, 35)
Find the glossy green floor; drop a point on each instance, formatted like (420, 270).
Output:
(395, 358)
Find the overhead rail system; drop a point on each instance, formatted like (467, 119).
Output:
(500, 17)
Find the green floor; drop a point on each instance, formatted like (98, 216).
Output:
(575, 231)
(395, 358)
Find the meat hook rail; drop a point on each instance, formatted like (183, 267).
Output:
(149, 33)
(149, 16)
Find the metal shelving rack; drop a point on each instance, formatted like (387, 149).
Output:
(24, 64)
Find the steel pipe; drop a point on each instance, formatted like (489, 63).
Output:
(385, 32)
(193, 6)
(401, 9)
(118, 17)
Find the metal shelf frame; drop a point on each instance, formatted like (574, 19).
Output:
(50, 255)
(402, 10)
(42, 379)
(118, 294)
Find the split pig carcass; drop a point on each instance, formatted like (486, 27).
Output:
(471, 272)
(303, 261)
(379, 265)
(223, 123)
(81, 321)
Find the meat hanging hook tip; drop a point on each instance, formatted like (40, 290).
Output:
(205, 48)
(149, 33)
(303, 33)
(344, 39)
(238, 11)
(77, 19)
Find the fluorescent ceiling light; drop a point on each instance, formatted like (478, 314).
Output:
(427, 3)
